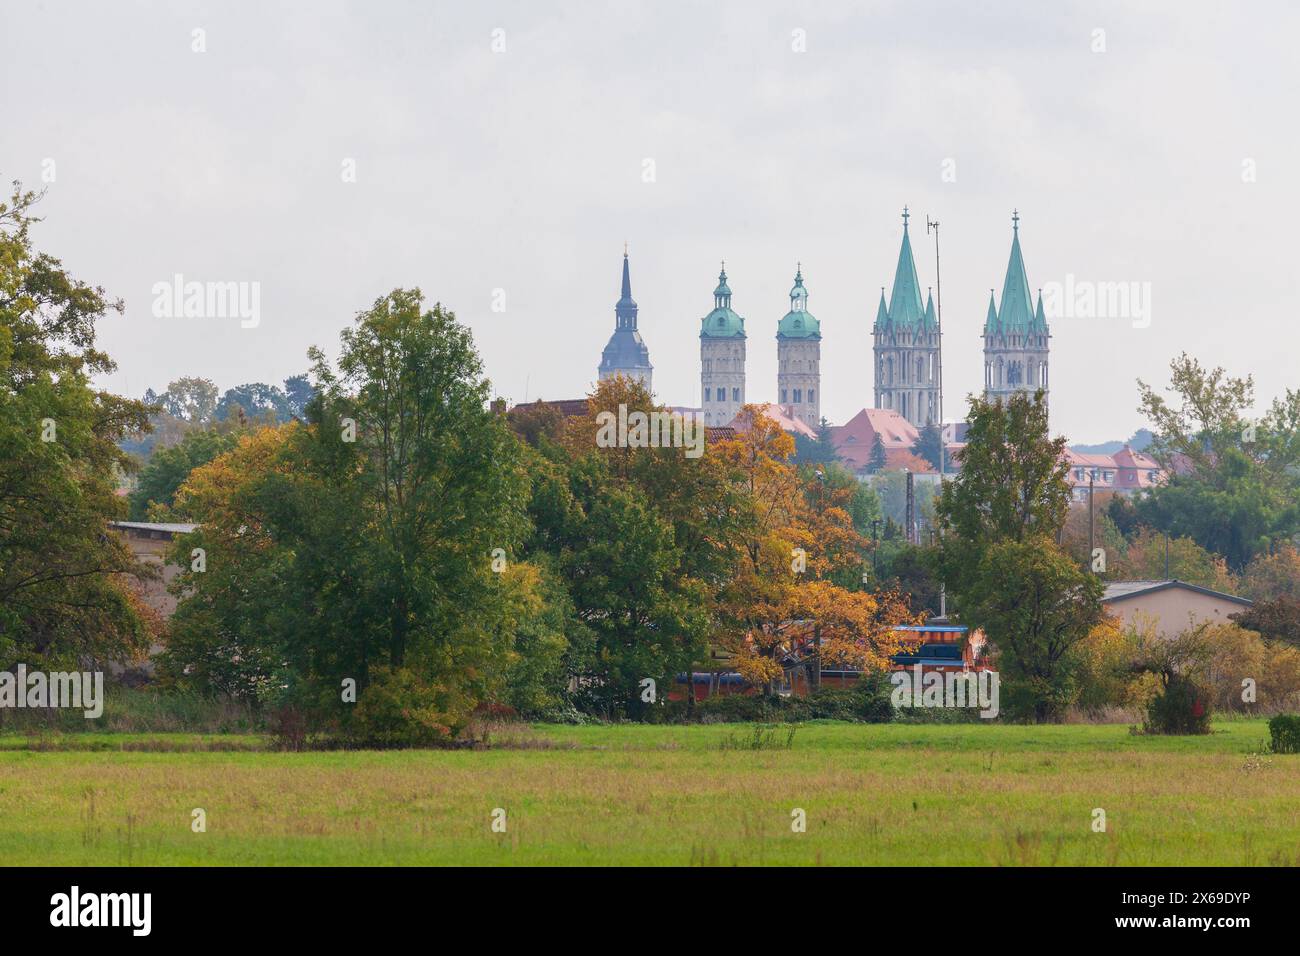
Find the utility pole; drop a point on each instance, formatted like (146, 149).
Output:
(1091, 477)
(911, 507)
(875, 548)
(943, 444)
(817, 630)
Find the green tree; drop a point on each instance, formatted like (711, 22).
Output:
(255, 400)
(1230, 483)
(876, 463)
(168, 468)
(929, 445)
(1035, 604)
(819, 450)
(192, 400)
(999, 519)
(63, 596)
(378, 543)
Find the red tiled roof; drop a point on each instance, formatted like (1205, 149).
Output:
(1126, 470)
(783, 416)
(854, 439)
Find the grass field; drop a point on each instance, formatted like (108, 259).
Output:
(873, 794)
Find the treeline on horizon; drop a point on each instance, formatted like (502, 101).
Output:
(383, 556)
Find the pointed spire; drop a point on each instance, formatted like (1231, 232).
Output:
(1040, 317)
(930, 321)
(1016, 312)
(882, 311)
(625, 310)
(905, 306)
(991, 320)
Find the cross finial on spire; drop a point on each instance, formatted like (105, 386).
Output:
(1015, 220)
(906, 215)
(624, 248)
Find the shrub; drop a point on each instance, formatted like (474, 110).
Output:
(1183, 707)
(1284, 729)
(866, 701)
(399, 709)
(1237, 654)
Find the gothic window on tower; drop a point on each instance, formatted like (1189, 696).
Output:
(798, 396)
(735, 394)
(783, 398)
(812, 394)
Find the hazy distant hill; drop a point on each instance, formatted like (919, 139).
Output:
(1139, 442)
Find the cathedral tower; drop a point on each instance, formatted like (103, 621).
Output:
(906, 350)
(1016, 334)
(626, 354)
(798, 358)
(722, 358)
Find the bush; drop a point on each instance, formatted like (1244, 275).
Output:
(1182, 708)
(1284, 729)
(399, 709)
(867, 701)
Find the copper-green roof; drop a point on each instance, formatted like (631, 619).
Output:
(1016, 314)
(906, 310)
(1016, 311)
(722, 322)
(991, 319)
(799, 323)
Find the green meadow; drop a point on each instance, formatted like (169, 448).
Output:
(900, 794)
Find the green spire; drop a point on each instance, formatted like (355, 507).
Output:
(991, 320)
(905, 307)
(930, 321)
(1040, 317)
(1016, 312)
(798, 323)
(882, 312)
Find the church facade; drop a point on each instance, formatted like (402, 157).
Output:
(1015, 333)
(906, 345)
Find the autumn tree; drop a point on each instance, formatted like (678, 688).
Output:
(797, 537)
(1273, 575)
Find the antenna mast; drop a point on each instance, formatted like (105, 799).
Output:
(938, 299)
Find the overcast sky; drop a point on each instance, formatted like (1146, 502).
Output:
(1170, 159)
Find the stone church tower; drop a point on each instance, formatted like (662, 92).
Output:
(798, 358)
(1016, 334)
(722, 358)
(626, 354)
(906, 349)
